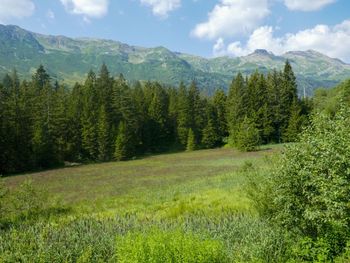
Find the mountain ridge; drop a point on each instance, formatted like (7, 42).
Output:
(69, 59)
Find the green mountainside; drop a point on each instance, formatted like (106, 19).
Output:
(69, 60)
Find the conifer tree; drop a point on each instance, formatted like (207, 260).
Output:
(124, 109)
(275, 105)
(103, 136)
(288, 94)
(183, 119)
(191, 141)
(210, 138)
(248, 138)
(74, 119)
(89, 118)
(294, 124)
(121, 144)
(40, 78)
(196, 111)
(158, 113)
(236, 106)
(219, 101)
(141, 113)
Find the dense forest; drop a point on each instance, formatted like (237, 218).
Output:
(43, 124)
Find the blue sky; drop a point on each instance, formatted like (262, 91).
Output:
(201, 27)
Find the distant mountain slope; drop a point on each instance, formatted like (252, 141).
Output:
(69, 60)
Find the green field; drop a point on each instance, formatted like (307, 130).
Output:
(94, 209)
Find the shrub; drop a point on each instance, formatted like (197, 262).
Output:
(170, 246)
(311, 185)
(28, 200)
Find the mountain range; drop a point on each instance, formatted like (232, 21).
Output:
(69, 60)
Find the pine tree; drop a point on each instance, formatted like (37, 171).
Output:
(40, 78)
(124, 109)
(219, 101)
(74, 119)
(121, 143)
(275, 105)
(288, 95)
(196, 111)
(141, 113)
(183, 119)
(89, 118)
(103, 136)
(294, 123)
(211, 134)
(248, 138)
(158, 114)
(236, 106)
(210, 137)
(191, 141)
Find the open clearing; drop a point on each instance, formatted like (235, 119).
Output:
(120, 186)
(99, 211)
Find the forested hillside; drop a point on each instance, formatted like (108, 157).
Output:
(43, 123)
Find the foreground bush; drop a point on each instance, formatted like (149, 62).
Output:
(171, 246)
(310, 188)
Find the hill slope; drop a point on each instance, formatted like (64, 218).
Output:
(69, 59)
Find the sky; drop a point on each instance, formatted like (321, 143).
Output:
(207, 28)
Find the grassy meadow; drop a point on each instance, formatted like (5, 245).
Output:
(120, 211)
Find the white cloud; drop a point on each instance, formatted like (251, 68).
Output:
(330, 40)
(88, 8)
(162, 7)
(219, 48)
(50, 14)
(308, 5)
(15, 9)
(232, 17)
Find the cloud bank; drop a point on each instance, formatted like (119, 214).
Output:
(88, 8)
(232, 17)
(308, 5)
(330, 40)
(15, 9)
(162, 8)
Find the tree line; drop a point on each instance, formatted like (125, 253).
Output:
(43, 123)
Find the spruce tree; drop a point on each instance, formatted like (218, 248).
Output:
(103, 136)
(219, 101)
(40, 78)
(124, 109)
(236, 106)
(89, 118)
(121, 143)
(210, 137)
(288, 95)
(158, 114)
(294, 123)
(191, 141)
(74, 119)
(196, 111)
(248, 138)
(183, 119)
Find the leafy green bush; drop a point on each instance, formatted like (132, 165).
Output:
(171, 246)
(309, 250)
(311, 184)
(28, 199)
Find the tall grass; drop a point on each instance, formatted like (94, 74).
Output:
(181, 218)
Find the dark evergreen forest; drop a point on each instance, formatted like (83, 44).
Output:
(44, 123)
